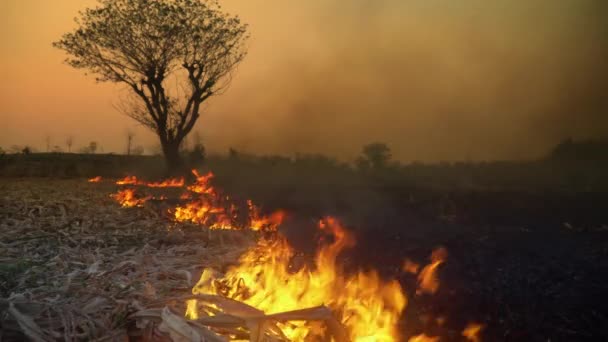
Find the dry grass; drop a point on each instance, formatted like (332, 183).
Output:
(74, 266)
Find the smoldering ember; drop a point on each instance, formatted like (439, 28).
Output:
(303, 171)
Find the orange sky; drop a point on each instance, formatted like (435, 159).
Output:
(436, 80)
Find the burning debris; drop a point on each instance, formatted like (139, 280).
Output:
(95, 179)
(204, 204)
(128, 199)
(363, 304)
(427, 279)
(261, 296)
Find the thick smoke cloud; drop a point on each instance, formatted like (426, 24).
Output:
(437, 80)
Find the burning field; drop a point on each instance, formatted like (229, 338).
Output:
(169, 260)
(181, 260)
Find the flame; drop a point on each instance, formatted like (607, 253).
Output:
(368, 307)
(410, 267)
(427, 279)
(129, 180)
(201, 185)
(423, 338)
(471, 332)
(217, 212)
(264, 223)
(203, 211)
(95, 179)
(127, 198)
(169, 183)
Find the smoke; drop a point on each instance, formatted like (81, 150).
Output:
(436, 80)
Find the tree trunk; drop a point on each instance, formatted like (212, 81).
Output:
(173, 160)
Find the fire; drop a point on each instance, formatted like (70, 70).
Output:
(367, 306)
(203, 211)
(427, 279)
(471, 332)
(127, 198)
(129, 180)
(410, 267)
(202, 186)
(95, 179)
(216, 212)
(423, 338)
(169, 183)
(264, 223)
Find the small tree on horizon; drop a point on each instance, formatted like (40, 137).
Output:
(69, 141)
(92, 147)
(375, 155)
(130, 136)
(142, 43)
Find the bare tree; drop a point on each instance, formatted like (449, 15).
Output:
(47, 139)
(92, 147)
(142, 43)
(130, 136)
(69, 141)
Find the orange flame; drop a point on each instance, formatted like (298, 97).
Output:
(368, 307)
(264, 223)
(423, 338)
(427, 279)
(95, 179)
(410, 267)
(203, 211)
(472, 331)
(169, 183)
(127, 198)
(129, 180)
(201, 185)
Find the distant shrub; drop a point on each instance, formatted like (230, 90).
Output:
(375, 156)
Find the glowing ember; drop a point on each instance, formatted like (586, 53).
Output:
(368, 307)
(427, 279)
(127, 198)
(410, 267)
(169, 183)
(95, 179)
(471, 332)
(423, 338)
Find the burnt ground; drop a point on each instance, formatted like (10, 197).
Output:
(529, 266)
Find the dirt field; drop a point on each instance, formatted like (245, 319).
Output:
(529, 266)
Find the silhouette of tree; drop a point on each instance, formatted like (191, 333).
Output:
(69, 141)
(375, 155)
(198, 153)
(141, 43)
(92, 147)
(130, 136)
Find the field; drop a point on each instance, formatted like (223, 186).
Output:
(74, 261)
(528, 260)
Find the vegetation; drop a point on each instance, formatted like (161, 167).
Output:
(143, 43)
(241, 170)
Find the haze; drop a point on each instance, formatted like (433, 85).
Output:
(436, 80)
